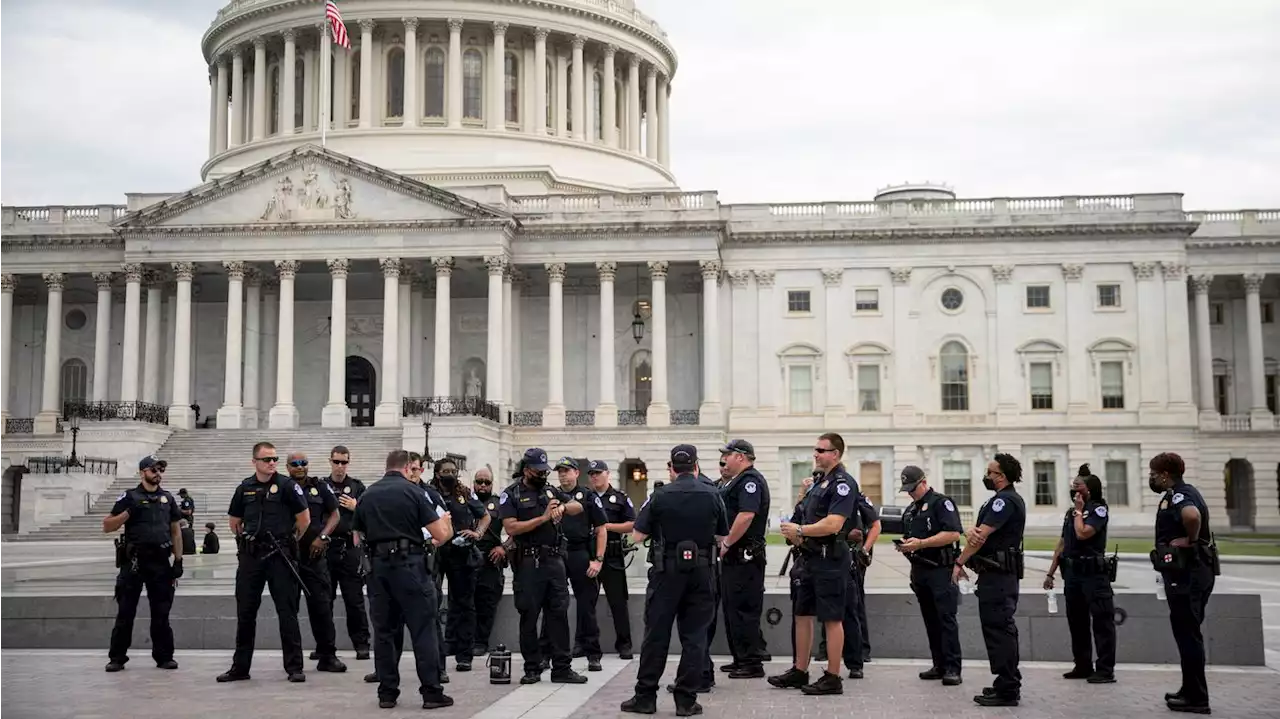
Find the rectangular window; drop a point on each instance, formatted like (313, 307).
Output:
(798, 301)
(1041, 385)
(1217, 313)
(799, 472)
(1108, 295)
(1038, 297)
(866, 300)
(1220, 395)
(1268, 313)
(1271, 393)
(1112, 385)
(868, 388)
(957, 481)
(1117, 479)
(800, 389)
(1045, 491)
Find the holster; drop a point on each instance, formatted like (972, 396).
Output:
(816, 548)
(1113, 567)
(393, 547)
(1001, 561)
(1167, 558)
(1212, 559)
(1086, 566)
(688, 556)
(746, 551)
(122, 552)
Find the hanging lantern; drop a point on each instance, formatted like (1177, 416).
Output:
(637, 327)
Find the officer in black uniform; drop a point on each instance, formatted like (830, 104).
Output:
(344, 556)
(746, 501)
(1188, 562)
(530, 512)
(268, 514)
(866, 537)
(993, 549)
(391, 520)
(584, 555)
(1081, 552)
(313, 565)
(620, 516)
(854, 532)
(186, 507)
(460, 559)
(490, 579)
(822, 569)
(686, 519)
(931, 528)
(150, 519)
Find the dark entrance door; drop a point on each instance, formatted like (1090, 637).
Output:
(361, 396)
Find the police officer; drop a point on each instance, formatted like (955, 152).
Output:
(822, 568)
(186, 507)
(931, 528)
(746, 501)
(150, 519)
(866, 537)
(313, 565)
(460, 559)
(268, 514)
(490, 579)
(1188, 562)
(619, 516)
(343, 555)
(530, 512)
(993, 549)
(584, 553)
(687, 520)
(391, 520)
(1081, 552)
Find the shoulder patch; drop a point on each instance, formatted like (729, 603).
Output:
(950, 507)
(750, 487)
(122, 496)
(474, 498)
(1178, 498)
(1101, 511)
(629, 504)
(599, 503)
(842, 489)
(502, 498)
(868, 502)
(997, 505)
(297, 489)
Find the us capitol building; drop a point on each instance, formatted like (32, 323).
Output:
(492, 240)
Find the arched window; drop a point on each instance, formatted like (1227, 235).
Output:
(597, 107)
(273, 117)
(641, 380)
(395, 82)
(472, 85)
(511, 90)
(954, 363)
(353, 64)
(435, 82)
(299, 91)
(75, 381)
(551, 97)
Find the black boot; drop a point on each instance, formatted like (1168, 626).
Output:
(827, 684)
(790, 679)
(641, 705)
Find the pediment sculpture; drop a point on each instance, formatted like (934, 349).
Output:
(312, 199)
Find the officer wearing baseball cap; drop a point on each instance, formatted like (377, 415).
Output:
(620, 516)
(584, 552)
(746, 502)
(932, 528)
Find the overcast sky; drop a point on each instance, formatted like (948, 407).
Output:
(772, 101)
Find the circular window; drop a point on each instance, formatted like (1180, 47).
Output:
(75, 319)
(952, 299)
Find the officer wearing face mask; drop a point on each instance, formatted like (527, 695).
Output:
(490, 579)
(460, 558)
(932, 530)
(584, 555)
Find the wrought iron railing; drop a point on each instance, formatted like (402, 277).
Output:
(20, 425)
(100, 411)
(580, 418)
(684, 417)
(64, 465)
(632, 418)
(526, 418)
(450, 407)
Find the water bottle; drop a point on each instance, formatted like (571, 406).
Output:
(1160, 587)
(1053, 601)
(966, 587)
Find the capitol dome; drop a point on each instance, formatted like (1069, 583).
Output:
(540, 96)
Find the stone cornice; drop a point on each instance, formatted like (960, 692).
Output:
(934, 235)
(278, 229)
(1205, 243)
(41, 243)
(617, 229)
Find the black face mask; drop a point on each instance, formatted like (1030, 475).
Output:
(448, 480)
(484, 494)
(989, 483)
(1155, 485)
(539, 480)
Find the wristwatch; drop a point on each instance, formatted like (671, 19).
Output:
(325, 538)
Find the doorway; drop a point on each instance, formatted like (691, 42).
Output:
(361, 392)
(633, 479)
(871, 482)
(1238, 477)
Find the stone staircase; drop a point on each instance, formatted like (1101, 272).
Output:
(209, 463)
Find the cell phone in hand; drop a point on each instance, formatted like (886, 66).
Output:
(898, 542)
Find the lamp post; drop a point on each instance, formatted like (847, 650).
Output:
(73, 461)
(426, 435)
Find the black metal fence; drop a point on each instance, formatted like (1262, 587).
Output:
(20, 425)
(64, 465)
(108, 410)
(684, 417)
(450, 407)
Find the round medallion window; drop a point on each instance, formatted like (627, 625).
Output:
(75, 319)
(952, 299)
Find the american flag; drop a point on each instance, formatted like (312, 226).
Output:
(334, 16)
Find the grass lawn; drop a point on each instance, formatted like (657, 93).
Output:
(1226, 545)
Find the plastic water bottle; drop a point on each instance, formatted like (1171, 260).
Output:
(1053, 601)
(966, 587)
(1160, 587)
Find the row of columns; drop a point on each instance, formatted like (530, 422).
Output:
(223, 136)
(1253, 334)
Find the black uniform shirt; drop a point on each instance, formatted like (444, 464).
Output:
(1008, 514)
(580, 528)
(1169, 516)
(836, 493)
(748, 492)
(934, 513)
(1095, 515)
(523, 503)
(350, 487)
(267, 507)
(618, 508)
(150, 515)
(684, 510)
(184, 504)
(320, 500)
(464, 507)
(394, 508)
(492, 536)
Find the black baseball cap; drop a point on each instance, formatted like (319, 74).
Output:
(151, 461)
(911, 476)
(536, 459)
(567, 463)
(684, 456)
(741, 446)
(597, 465)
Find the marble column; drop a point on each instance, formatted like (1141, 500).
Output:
(518, 282)
(766, 362)
(578, 93)
(497, 78)
(311, 99)
(237, 98)
(152, 339)
(46, 422)
(633, 104)
(607, 410)
(284, 414)
(1079, 314)
(181, 416)
(220, 119)
(288, 87)
(508, 346)
(404, 319)
(561, 102)
(231, 414)
(443, 371)
(270, 342)
(129, 360)
(664, 121)
(367, 59)
(540, 81)
(101, 338)
(1177, 331)
(417, 330)
(835, 315)
(1153, 388)
(710, 411)
(609, 113)
(170, 330)
(1257, 370)
(1204, 344)
(252, 345)
(1003, 364)
(335, 412)
(260, 105)
(410, 71)
(651, 113)
(387, 413)
(453, 101)
(497, 267)
(742, 394)
(904, 407)
(8, 283)
(554, 413)
(659, 412)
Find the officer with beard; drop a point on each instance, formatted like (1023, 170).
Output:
(460, 559)
(584, 553)
(490, 579)
(746, 500)
(313, 565)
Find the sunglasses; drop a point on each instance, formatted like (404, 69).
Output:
(268, 460)
(823, 450)
(298, 463)
(157, 469)
(482, 483)
(723, 463)
(338, 461)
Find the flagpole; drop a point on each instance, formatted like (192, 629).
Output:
(326, 62)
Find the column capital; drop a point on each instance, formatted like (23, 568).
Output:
(287, 269)
(500, 28)
(455, 24)
(540, 33)
(235, 269)
(444, 266)
(289, 34)
(260, 43)
(390, 266)
(658, 270)
(555, 271)
(1144, 270)
(1200, 283)
(608, 271)
(740, 278)
(901, 275)
(8, 282)
(183, 271)
(832, 276)
(651, 75)
(410, 24)
(55, 281)
(610, 50)
(1002, 273)
(496, 264)
(1072, 272)
(338, 267)
(710, 269)
(366, 25)
(1173, 271)
(1253, 282)
(579, 42)
(237, 52)
(102, 279)
(764, 278)
(132, 271)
